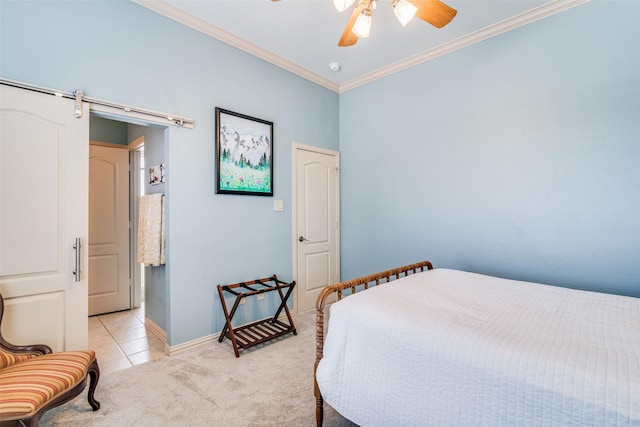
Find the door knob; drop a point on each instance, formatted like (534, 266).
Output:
(302, 239)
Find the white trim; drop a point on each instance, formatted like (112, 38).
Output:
(171, 350)
(327, 151)
(155, 330)
(136, 143)
(218, 33)
(555, 6)
(135, 148)
(206, 340)
(172, 12)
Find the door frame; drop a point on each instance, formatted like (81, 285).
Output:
(135, 147)
(296, 147)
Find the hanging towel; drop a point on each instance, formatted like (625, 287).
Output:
(151, 230)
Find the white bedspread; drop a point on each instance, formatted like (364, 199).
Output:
(450, 348)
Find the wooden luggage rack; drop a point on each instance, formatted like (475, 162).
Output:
(263, 330)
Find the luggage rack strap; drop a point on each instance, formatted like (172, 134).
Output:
(253, 291)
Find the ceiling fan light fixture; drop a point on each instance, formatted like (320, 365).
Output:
(404, 11)
(343, 5)
(433, 12)
(363, 24)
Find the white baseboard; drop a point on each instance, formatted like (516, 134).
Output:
(160, 333)
(192, 344)
(155, 330)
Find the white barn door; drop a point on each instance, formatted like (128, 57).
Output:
(44, 157)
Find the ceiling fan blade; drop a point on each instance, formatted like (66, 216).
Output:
(348, 37)
(434, 12)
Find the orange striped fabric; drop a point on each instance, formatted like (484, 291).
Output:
(27, 386)
(8, 359)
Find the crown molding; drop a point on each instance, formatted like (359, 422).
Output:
(548, 9)
(209, 29)
(178, 15)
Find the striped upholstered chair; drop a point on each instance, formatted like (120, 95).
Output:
(34, 380)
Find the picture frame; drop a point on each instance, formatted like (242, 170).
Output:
(244, 154)
(156, 174)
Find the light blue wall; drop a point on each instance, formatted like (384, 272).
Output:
(122, 52)
(156, 293)
(518, 156)
(105, 130)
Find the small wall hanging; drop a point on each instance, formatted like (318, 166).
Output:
(156, 174)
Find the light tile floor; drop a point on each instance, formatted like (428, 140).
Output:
(120, 340)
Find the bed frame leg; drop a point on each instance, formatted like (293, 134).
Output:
(318, 395)
(319, 411)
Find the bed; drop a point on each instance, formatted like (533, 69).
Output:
(440, 347)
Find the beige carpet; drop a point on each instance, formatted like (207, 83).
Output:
(269, 385)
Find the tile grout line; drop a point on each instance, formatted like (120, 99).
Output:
(118, 344)
(115, 341)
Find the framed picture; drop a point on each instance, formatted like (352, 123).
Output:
(244, 154)
(156, 174)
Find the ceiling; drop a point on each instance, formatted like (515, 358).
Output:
(302, 35)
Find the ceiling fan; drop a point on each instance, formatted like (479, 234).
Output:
(434, 12)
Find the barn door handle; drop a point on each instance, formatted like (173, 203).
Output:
(302, 239)
(76, 271)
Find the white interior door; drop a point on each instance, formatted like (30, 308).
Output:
(317, 185)
(109, 285)
(44, 156)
